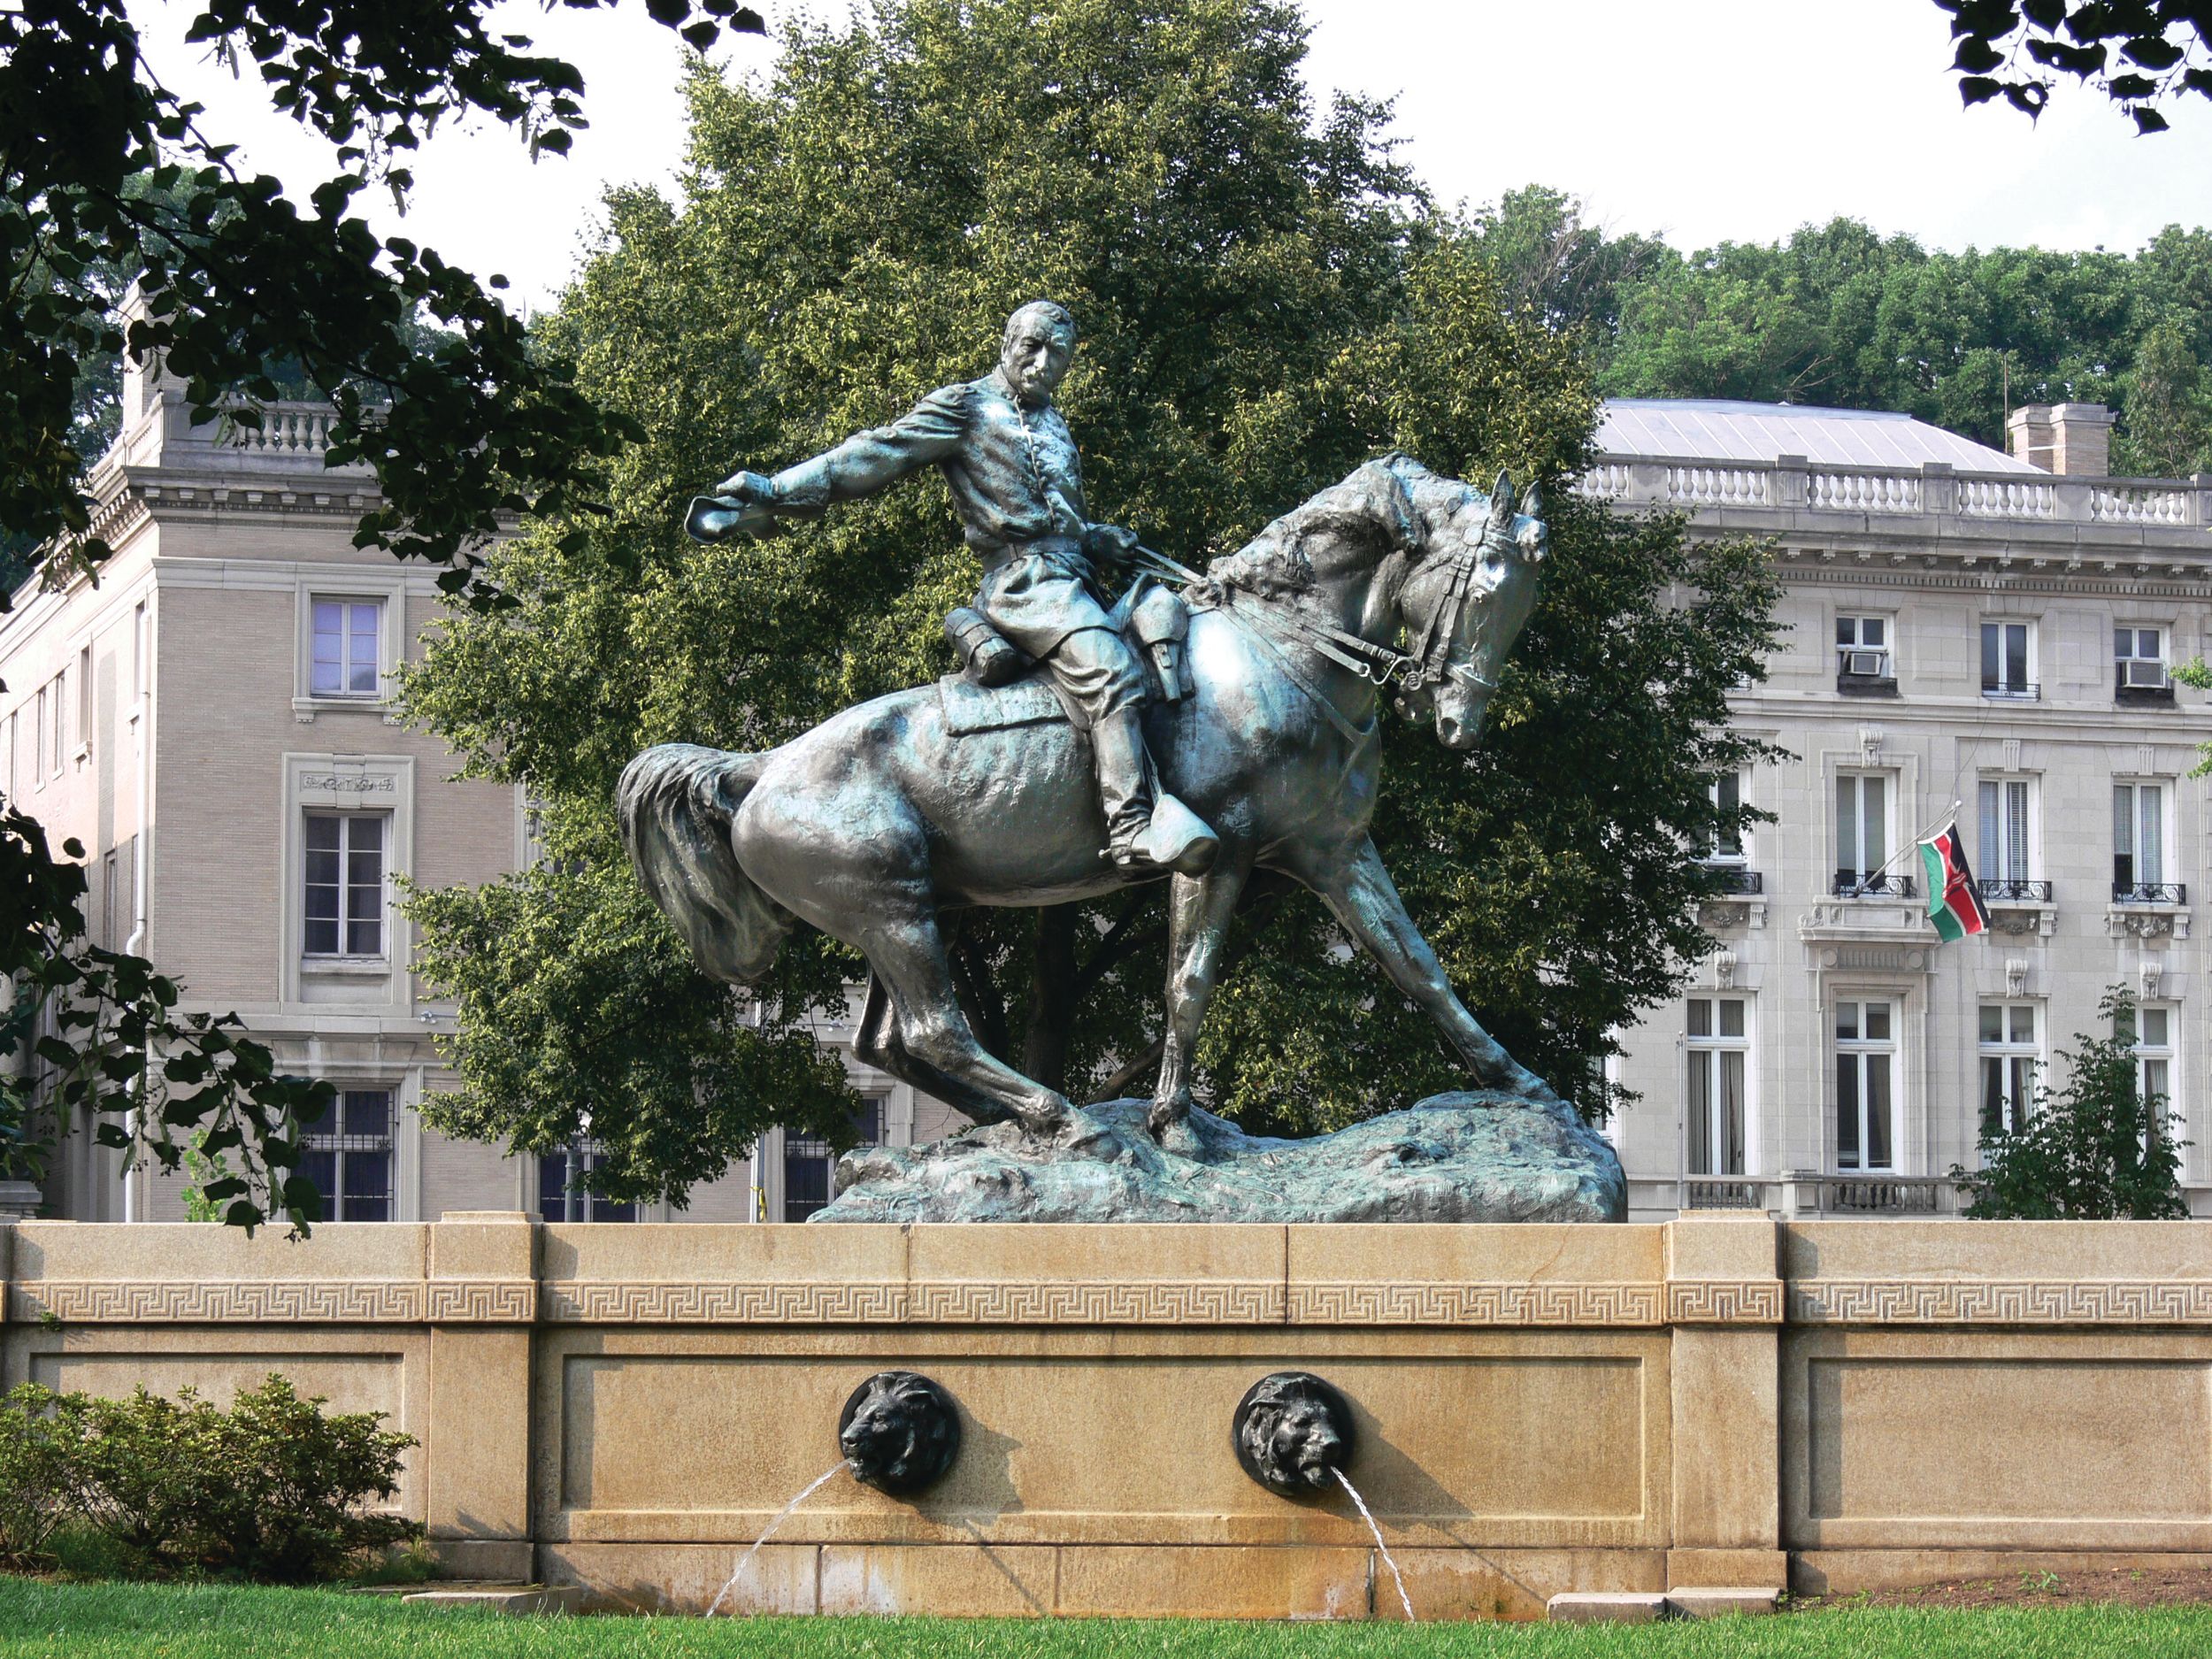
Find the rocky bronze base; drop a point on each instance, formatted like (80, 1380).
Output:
(1475, 1155)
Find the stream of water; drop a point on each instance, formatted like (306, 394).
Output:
(1404, 1600)
(815, 1485)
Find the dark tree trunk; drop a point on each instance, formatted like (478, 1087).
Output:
(979, 994)
(1052, 996)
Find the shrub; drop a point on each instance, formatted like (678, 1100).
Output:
(36, 1446)
(271, 1488)
(2099, 1149)
(140, 1472)
(286, 1505)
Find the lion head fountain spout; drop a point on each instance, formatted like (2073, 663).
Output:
(1293, 1432)
(899, 1432)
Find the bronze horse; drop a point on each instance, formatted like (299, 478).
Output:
(874, 824)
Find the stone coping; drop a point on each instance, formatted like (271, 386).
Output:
(502, 1268)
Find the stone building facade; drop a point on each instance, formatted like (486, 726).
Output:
(1964, 633)
(211, 721)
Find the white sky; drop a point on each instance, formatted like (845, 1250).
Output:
(1699, 119)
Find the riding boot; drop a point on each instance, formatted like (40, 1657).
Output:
(1143, 832)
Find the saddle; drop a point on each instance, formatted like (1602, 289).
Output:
(1000, 685)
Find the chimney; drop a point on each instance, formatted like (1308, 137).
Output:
(2071, 439)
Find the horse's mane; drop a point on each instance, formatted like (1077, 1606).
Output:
(1393, 502)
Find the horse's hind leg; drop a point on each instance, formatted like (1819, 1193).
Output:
(910, 958)
(876, 1041)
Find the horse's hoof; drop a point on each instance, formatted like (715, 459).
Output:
(1168, 1123)
(1179, 1138)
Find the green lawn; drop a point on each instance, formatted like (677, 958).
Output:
(114, 1621)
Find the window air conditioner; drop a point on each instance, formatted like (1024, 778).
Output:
(2144, 672)
(1871, 665)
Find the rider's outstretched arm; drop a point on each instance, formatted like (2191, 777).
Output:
(867, 461)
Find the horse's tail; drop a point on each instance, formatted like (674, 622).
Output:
(675, 803)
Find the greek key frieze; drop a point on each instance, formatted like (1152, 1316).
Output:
(1723, 1301)
(1995, 1301)
(1099, 1302)
(482, 1300)
(219, 1302)
(1367, 1302)
(694, 1301)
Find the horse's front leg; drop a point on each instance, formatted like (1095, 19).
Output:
(1362, 897)
(1198, 908)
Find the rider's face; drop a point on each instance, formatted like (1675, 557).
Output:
(1034, 361)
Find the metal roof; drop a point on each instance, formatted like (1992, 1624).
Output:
(1712, 428)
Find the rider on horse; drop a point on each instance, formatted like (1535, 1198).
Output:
(1017, 485)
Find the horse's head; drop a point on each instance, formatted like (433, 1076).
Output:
(1472, 587)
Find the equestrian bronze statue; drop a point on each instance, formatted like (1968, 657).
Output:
(1198, 727)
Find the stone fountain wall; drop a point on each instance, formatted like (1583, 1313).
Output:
(1721, 1400)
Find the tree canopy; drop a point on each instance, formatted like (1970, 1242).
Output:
(1839, 315)
(2139, 53)
(106, 174)
(1265, 300)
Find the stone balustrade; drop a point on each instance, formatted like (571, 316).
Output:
(287, 430)
(1793, 486)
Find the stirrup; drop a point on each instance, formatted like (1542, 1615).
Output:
(1175, 837)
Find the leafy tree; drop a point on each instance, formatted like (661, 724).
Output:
(1571, 274)
(1837, 315)
(2096, 1150)
(2139, 52)
(2168, 406)
(1265, 300)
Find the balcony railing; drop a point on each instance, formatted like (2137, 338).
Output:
(2150, 893)
(1850, 884)
(2004, 890)
(2016, 691)
(1878, 1195)
(1723, 1193)
(1734, 878)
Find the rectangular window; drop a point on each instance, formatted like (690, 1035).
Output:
(343, 659)
(2006, 670)
(561, 1196)
(1720, 1053)
(344, 868)
(1862, 829)
(1866, 1054)
(39, 741)
(1863, 648)
(2139, 842)
(138, 652)
(2004, 825)
(60, 725)
(1728, 844)
(2010, 1055)
(2139, 659)
(2155, 1064)
(85, 719)
(9, 774)
(809, 1164)
(348, 1155)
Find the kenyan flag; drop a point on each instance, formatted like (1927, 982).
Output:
(1953, 905)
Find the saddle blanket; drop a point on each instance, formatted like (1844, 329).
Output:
(1030, 701)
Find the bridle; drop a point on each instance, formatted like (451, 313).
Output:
(1383, 666)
